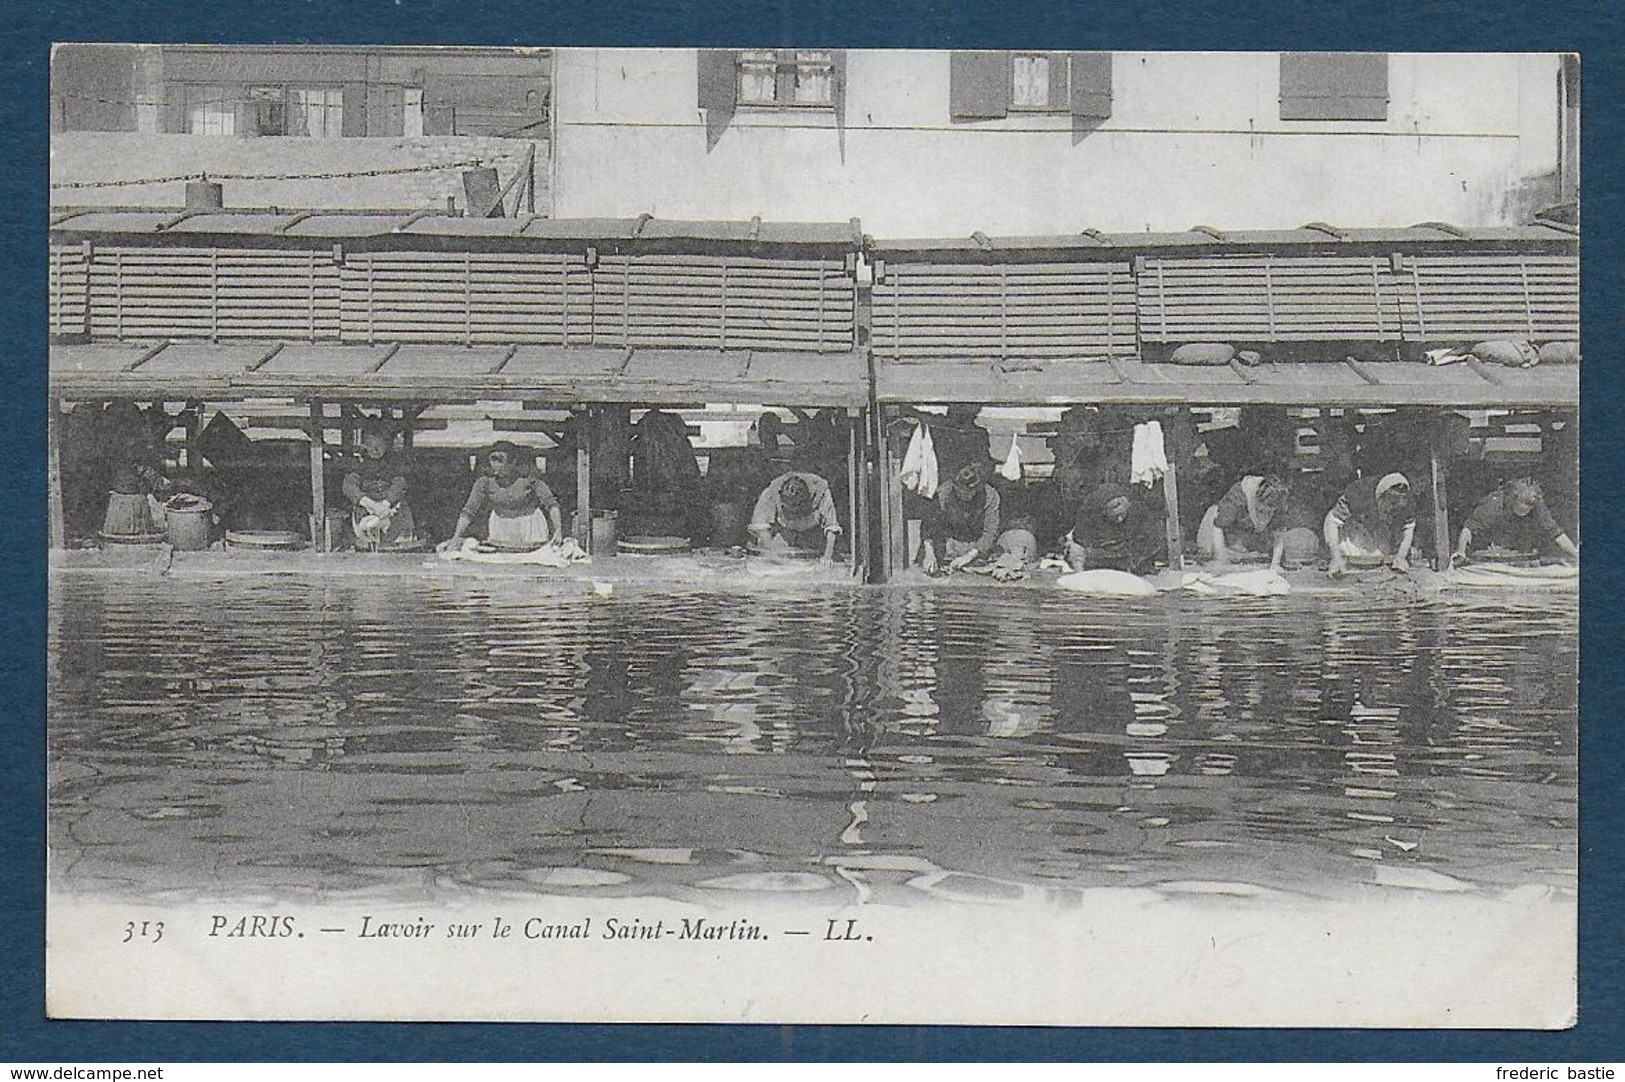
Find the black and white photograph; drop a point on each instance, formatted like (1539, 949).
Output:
(804, 535)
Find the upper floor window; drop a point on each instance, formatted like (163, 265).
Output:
(316, 111)
(791, 77)
(210, 110)
(987, 85)
(1334, 86)
(1031, 82)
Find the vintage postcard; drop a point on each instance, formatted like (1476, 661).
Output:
(813, 535)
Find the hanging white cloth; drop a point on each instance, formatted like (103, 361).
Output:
(1148, 460)
(919, 471)
(1011, 470)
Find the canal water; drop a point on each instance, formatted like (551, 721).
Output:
(330, 737)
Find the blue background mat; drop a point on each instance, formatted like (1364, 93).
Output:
(26, 1036)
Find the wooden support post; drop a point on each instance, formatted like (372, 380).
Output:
(852, 533)
(1441, 512)
(864, 540)
(194, 428)
(1170, 493)
(318, 476)
(583, 416)
(877, 432)
(897, 542)
(53, 451)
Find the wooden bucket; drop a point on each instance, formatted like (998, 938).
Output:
(128, 516)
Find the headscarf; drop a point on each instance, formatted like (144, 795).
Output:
(1260, 515)
(1392, 481)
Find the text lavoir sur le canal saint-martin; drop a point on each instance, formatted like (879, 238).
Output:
(282, 926)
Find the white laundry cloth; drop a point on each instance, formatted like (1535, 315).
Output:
(1011, 470)
(919, 472)
(563, 554)
(1254, 583)
(1107, 582)
(1148, 461)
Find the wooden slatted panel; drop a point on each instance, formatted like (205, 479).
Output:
(1451, 298)
(724, 302)
(924, 310)
(68, 288)
(141, 292)
(137, 291)
(466, 298)
(277, 294)
(1262, 298)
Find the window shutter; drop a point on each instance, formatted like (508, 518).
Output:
(1334, 86)
(354, 120)
(439, 107)
(979, 85)
(1058, 66)
(718, 91)
(1091, 85)
(175, 109)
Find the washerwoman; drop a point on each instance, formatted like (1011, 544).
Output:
(1247, 520)
(521, 510)
(376, 488)
(1375, 518)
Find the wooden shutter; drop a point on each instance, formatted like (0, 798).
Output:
(724, 302)
(466, 298)
(69, 269)
(1473, 297)
(140, 291)
(1334, 86)
(718, 91)
(979, 85)
(1012, 310)
(1264, 298)
(1091, 85)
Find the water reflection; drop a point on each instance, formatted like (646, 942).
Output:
(330, 734)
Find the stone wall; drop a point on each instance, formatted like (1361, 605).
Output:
(78, 157)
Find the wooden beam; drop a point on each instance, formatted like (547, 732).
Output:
(411, 422)
(255, 366)
(527, 424)
(583, 416)
(1353, 364)
(388, 353)
(349, 422)
(301, 422)
(146, 356)
(53, 451)
(318, 476)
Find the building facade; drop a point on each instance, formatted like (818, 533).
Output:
(936, 143)
(360, 128)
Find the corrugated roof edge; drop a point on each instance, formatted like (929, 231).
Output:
(334, 224)
(1315, 234)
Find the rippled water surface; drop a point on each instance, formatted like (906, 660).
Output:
(322, 736)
